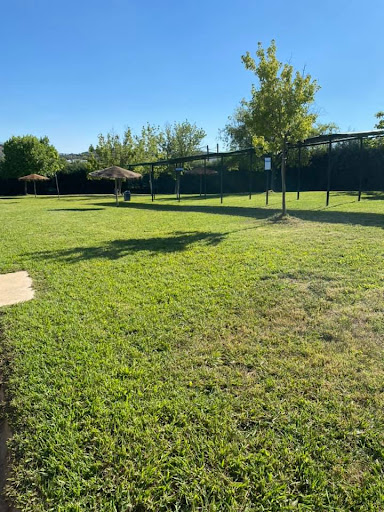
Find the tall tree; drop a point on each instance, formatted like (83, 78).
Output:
(236, 133)
(181, 139)
(279, 111)
(29, 155)
(380, 120)
(107, 152)
(147, 144)
(112, 149)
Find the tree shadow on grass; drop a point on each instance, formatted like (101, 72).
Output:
(373, 195)
(326, 215)
(177, 242)
(74, 209)
(376, 195)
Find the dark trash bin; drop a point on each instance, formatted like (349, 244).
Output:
(127, 195)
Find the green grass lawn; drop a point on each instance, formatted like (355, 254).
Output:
(196, 357)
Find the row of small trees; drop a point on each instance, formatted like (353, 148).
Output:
(152, 143)
(29, 154)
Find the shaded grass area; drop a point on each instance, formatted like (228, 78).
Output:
(195, 356)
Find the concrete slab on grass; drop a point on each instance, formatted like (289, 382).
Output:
(15, 287)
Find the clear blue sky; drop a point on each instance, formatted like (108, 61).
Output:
(72, 69)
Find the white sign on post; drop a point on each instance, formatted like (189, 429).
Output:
(267, 163)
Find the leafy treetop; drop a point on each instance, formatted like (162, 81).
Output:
(29, 155)
(152, 143)
(279, 110)
(380, 123)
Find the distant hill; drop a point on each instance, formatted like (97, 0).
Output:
(69, 157)
(75, 157)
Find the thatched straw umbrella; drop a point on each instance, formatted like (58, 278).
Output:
(202, 171)
(34, 178)
(115, 173)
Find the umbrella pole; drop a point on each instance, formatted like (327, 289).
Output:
(34, 187)
(116, 193)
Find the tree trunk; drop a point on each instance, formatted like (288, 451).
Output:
(150, 183)
(283, 182)
(57, 186)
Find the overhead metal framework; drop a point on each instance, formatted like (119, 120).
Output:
(328, 139)
(339, 137)
(335, 138)
(180, 160)
(194, 158)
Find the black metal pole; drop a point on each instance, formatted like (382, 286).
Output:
(329, 171)
(361, 168)
(250, 173)
(221, 179)
(299, 175)
(152, 184)
(57, 186)
(267, 184)
(205, 173)
(205, 178)
(178, 181)
(34, 187)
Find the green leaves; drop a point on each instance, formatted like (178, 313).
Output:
(181, 139)
(279, 111)
(380, 117)
(28, 155)
(151, 144)
(279, 108)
